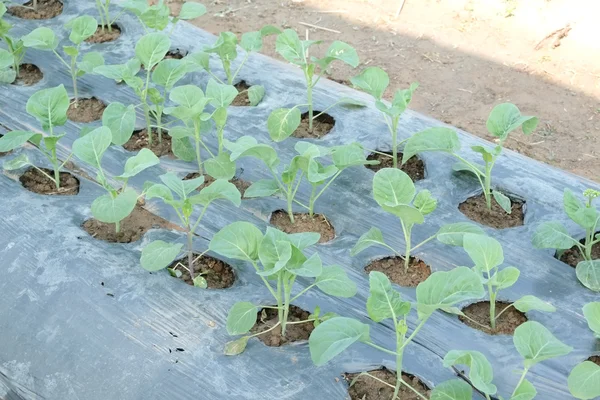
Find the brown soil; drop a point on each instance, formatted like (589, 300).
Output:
(321, 126)
(573, 256)
(46, 9)
(594, 359)
(414, 167)
(104, 35)
(240, 184)
(139, 140)
(367, 388)
(3, 153)
(393, 268)
(303, 223)
(87, 110)
(267, 317)
(37, 182)
(133, 227)
(505, 325)
(475, 209)
(217, 273)
(29, 74)
(242, 98)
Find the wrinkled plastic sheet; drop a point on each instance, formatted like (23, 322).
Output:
(80, 319)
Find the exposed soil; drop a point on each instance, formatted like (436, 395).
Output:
(414, 167)
(321, 126)
(35, 181)
(367, 388)
(303, 223)
(242, 98)
(3, 153)
(86, 110)
(132, 228)
(393, 268)
(104, 35)
(139, 140)
(475, 208)
(240, 184)
(46, 9)
(217, 273)
(267, 317)
(594, 359)
(505, 325)
(29, 74)
(573, 257)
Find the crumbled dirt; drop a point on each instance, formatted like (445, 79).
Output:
(104, 35)
(86, 110)
(321, 126)
(594, 359)
(414, 167)
(475, 208)
(367, 388)
(29, 74)
(573, 256)
(303, 223)
(505, 325)
(240, 184)
(46, 9)
(139, 140)
(267, 317)
(37, 182)
(132, 228)
(217, 273)
(242, 98)
(393, 268)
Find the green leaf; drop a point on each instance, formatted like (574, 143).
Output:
(180, 186)
(453, 234)
(275, 251)
(591, 311)
(317, 173)
(111, 210)
(486, 252)
(303, 240)
(289, 46)
(256, 94)
(237, 346)
(584, 216)
(219, 189)
(481, 374)
(239, 240)
(373, 237)
(584, 381)
(335, 282)
(82, 28)
(152, 48)
(200, 282)
(402, 99)
(158, 255)
(120, 119)
(525, 391)
(13, 139)
(530, 303)
(333, 336)
(283, 122)
(372, 80)
(392, 187)
(90, 62)
(168, 72)
(349, 155)
(221, 95)
(384, 302)
(191, 10)
(251, 41)
(552, 235)
(220, 167)
(7, 73)
(41, 39)
(588, 273)
(506, 278)
(190, 99)
(241, 318)
(183, 149)
(49, 106)
(455, 389)
(424, 202)
(339, 50)
(432, 139)
(246, 146)
(268, 30)
(535, 343)
(262, 188)
(502, 200)
(16, 163)
(136, 164)
(156, 16)
(199, 61)
(505, 118)
(91, 147)
(160, 191)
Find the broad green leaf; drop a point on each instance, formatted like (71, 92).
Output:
(268, 30)
(525, 391)
(505, 118)
(179, 186)
(289, 46)
(91, 147)
(453, 234)
(247, 146)
(486, 252)
(158, 255)
(535, 343)
(156, 16)
(190, 99)
(424, 202)
(373, 237)
(350, 102)
(432, 139)
(402, 99)
(241, 318)
(349, 155)
(591, 311)
(219, 189)
(168, 72)
(505, 278)
(152, 48)
(317, 173)
(13, 139)
(239, 240)
(584, 381)
(225, 47)
(408, 214)
(90, 62)
(200, 282)
(191, 10)
(502, 200)
(530, 303)
(333, 336)
(343, 52)
(307, 267)
(41, 38)
(110, 210)
(384, 302)
(82, 28)
(262, 188)
(7, 73)
(455, 389)
(136, 164)
(49, 106)
(120, 119)
(256, 94)
(183, 149)
(392, 187)
(236, 347)
(481, 374)
(221, 95)
(588, 273)
(220, 167)
(275, 251)
(552, 235)
(283, 122)
(160, 191)
(16, 163)
(587, 217)
(251, 41)
(198, 61)
(303, 240)
(372, 80)
(335, 282)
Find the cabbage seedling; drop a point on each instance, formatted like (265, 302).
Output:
(375, 81)
(583, 380)
(158, 16)
(440, 291)
(49, 107)
(120, 201)
(279, 259)
(503, 119)
(81, 28)
(15, 53)
(178, 194)
(553, 235)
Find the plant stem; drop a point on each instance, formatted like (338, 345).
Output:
(220, 139)
(287, 288)
(395, 141)
(56, 169)
(237, 71)
(492, 304)
(100, 9)
(197, 140)
(399, 356)
(310, 105)
(406, 230)
(311, 202)
(117, 226)
(146, 107)
(290, 201)
(190, 237)
(520, 382)
(487, 192)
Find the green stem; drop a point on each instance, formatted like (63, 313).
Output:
(290, 201)
(399, 357)
(310, 104)
(197, 140)
(487, 191)
(237, 71)
(381, 348)
(118, 226)
(492, 303)
(287, 289)
(423, 242)
(520, 382)
(311, 202)
(190, 251)
(280, 305)
(502, 312)
(406, 230)
(327, 185)
(100, 9)
(145, 103)
(56, 169)
(395, 141)
(220, 139)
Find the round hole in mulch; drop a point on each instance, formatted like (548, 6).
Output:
(475, 208)
(414, 167)
(267, 317)
(573, 256)
(139, 140)
(240, 184)
(303, 222)
(393, 268)
(505, 325)
(367, 388)
(242, 98)
(86, 110)
(29, 74)
(105, 35)
(594, 359)
(218, 274)
(34, 181)
(46, 9)
(322, 125)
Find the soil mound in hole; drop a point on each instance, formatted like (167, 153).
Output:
(240, 184)
(414, 167)
(505, 325)
(322, 125)
(267, 318)
(218, 274)
(475, 209)
(573, 256)
(303, 222)
(139, 140)
(367, 388)
(46, 9)
(86, 110)
(242, 98)
(104, 35)
(393, 268)
(29, 74)
(33, 180)
(594, 359)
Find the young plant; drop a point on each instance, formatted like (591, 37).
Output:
(304, 165)
(553, 235)
(583, 380)
(81, 28)
(441, 291)
(178, 194)
(534, 342)
(49, 107)
(375, 81)
(158, 16)
(120, 201)
(279, 259)
(487, 255)
(15, 49)
(503, 119)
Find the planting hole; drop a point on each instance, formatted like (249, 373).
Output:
(321, 126)
(46, 9)
(240, 184)
(86, 110)
(267, 317)
(3, 153)
(573, 256)
(33, 180)
(139, 140)
(217, 273)
(475, 209)
(303, 222)
(29, 74)
(393, 268)
(594, 359)
(505, 325)
(242, 98)
(414, 167)
(104, 35)
(367, 388)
